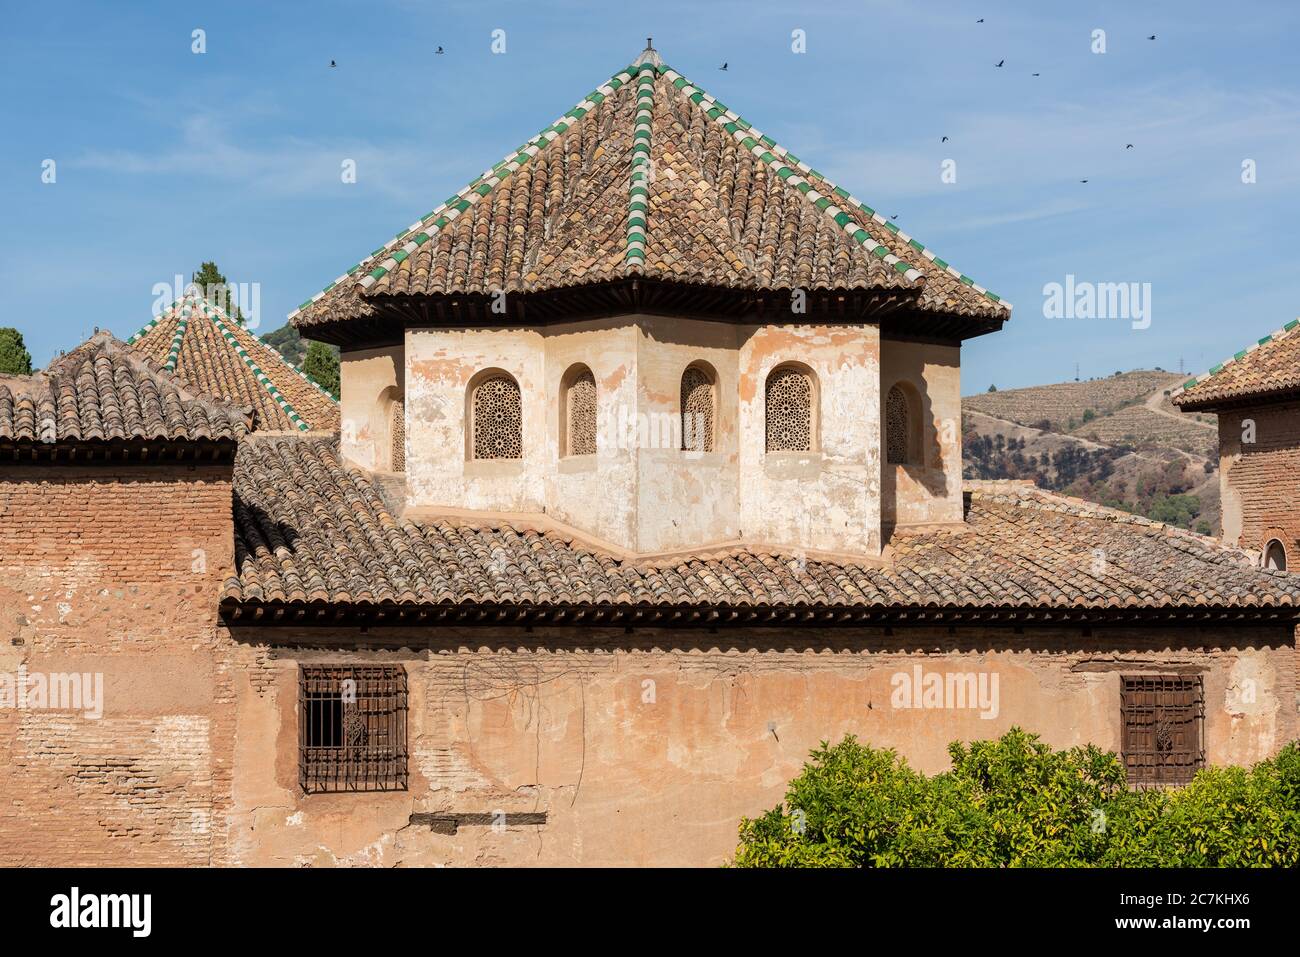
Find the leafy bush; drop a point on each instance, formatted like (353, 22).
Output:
(1016, 802)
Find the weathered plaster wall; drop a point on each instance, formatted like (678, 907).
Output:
(648, 749)
(928, 492)
(596, 493)
(829, 498)
(368, 379)
(117, 573)
(1260, 480)
(641, 491)
(686, 499)
(440, 366)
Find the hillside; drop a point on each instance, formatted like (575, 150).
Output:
(289, 344)
(1116, 441)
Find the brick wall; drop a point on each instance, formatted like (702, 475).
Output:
(115, 573)
(1260, 480)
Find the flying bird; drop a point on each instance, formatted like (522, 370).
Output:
(944, 140)
(1128, 146)
(438, 51)
(1152, 37)
(895, 216)
(332, 63)
(724, 65)
(980, 20)
(1037, 74)
(1000, 62)
(1083, 181)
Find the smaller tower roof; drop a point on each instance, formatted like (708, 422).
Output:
(204, 346)
(1267, 371)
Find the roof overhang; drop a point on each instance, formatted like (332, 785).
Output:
(1246, 400)
(896, 310)
(119, 452)
(364, 614)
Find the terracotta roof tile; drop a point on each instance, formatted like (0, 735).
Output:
(102, 391)
(218, 356)
(1269, 368)
(309, 529)
(649, 176)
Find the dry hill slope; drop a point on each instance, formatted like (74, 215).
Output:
(1116, 441)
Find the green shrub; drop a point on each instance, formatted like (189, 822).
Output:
(1016, 802)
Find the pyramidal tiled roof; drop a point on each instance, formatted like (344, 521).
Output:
(1270, 367)
(202, 345)
(103, 392)
(649, 176)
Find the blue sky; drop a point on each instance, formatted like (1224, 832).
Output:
(165, 158)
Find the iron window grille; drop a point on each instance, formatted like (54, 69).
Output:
(1164, 728)
(352, 728)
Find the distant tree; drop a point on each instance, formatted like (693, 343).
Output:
(14, 357)
(323, 367)
(216, 289)
(1088, 415)
(993, 388)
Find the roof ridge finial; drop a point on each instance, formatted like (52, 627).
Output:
(649, 55)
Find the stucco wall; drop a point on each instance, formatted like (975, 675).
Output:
(1260, 480)
(648, 749)
(829, 498)
(368, 378)
(929, 491)
(641, 491)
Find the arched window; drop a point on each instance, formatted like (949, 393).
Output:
(497, 420)
(699, 400)
(578, 412)
(789, 410)
(397, 434)
(1275, 556)
(902, 426)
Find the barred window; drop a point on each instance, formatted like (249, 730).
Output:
(698, 404)
(789, 410)
(397, 431)
(579, 412)
(498, 421)
(1164, 720)
(352, 728)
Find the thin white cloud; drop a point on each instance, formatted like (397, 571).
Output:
(288, 166)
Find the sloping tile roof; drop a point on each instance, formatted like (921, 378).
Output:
(102, 391)
(1270, 367)
(649, 176)
(203, 346)
(309, 530)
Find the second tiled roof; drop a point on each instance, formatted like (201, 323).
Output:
(205, 347)
(310, 530)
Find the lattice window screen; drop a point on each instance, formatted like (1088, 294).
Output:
(897, 427)
(697, 410)
(580, 403)
(397, 430)
(789, 411)
(498, 419)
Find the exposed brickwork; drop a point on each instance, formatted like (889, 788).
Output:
(1261, 479)
(116, 572)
